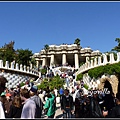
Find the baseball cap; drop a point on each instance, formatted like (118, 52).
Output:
(34, 88)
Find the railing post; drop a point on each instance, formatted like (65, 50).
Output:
(7, 65)
(112, 58)
(17, 66)
(99, 60)
(28, 69)
(105, 59)
(24, 68)
(118, 56)
(21, 67)
(1, 63)
(95, 62)
(12, 65)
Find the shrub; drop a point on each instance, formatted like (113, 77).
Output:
(43, 71)
(86, 86)
(79, 76)
(22, 84)
(56, 81)
(109, 69)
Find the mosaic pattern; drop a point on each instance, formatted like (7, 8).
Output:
(15, 79)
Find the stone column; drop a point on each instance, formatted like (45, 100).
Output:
(37, 65)
(44, 62)
(63, 58)
(52, 60)
(87, 59)
(76, 61)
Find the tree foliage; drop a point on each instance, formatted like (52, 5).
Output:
(101, 70)
(77, 41)
(43, 71)
(8, 53)
(86, 86)
(46, 48)
(56, 81)
(24, 56)
(117, 48)
(79, 76)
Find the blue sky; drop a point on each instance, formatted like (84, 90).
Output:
(33, 24)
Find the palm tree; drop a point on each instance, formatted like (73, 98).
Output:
(46, 48)
(77, 41)
(117, 48)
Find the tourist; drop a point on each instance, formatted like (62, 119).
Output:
(29, 107)
(16, 107)
(49, 105)
(109, 101)
(7, 104)
(95, 110)
(61, 92)
(56, 91)
(86, 105)
(79, 103)
(67, 81)
(39, 105)
(115, 112)
(41, 95)
(12, 92)
(67, 104)
(3, 81)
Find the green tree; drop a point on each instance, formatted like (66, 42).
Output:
(7, 52)
(56, 81)
(24, 56)
(33, 61)
(46, 48)
(43, 71)
(117, 48)
(77, 41)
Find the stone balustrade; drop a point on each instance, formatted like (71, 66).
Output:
(98, 61)
(16, 74)
(18, 68)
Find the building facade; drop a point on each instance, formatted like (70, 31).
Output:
(72, 55)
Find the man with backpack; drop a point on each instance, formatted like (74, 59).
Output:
(39, 105)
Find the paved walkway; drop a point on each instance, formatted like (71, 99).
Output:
(58, 113)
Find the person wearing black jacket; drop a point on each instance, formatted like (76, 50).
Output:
(115, 112)
(95, 110)
(67, 104)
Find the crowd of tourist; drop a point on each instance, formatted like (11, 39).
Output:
(75, 102)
